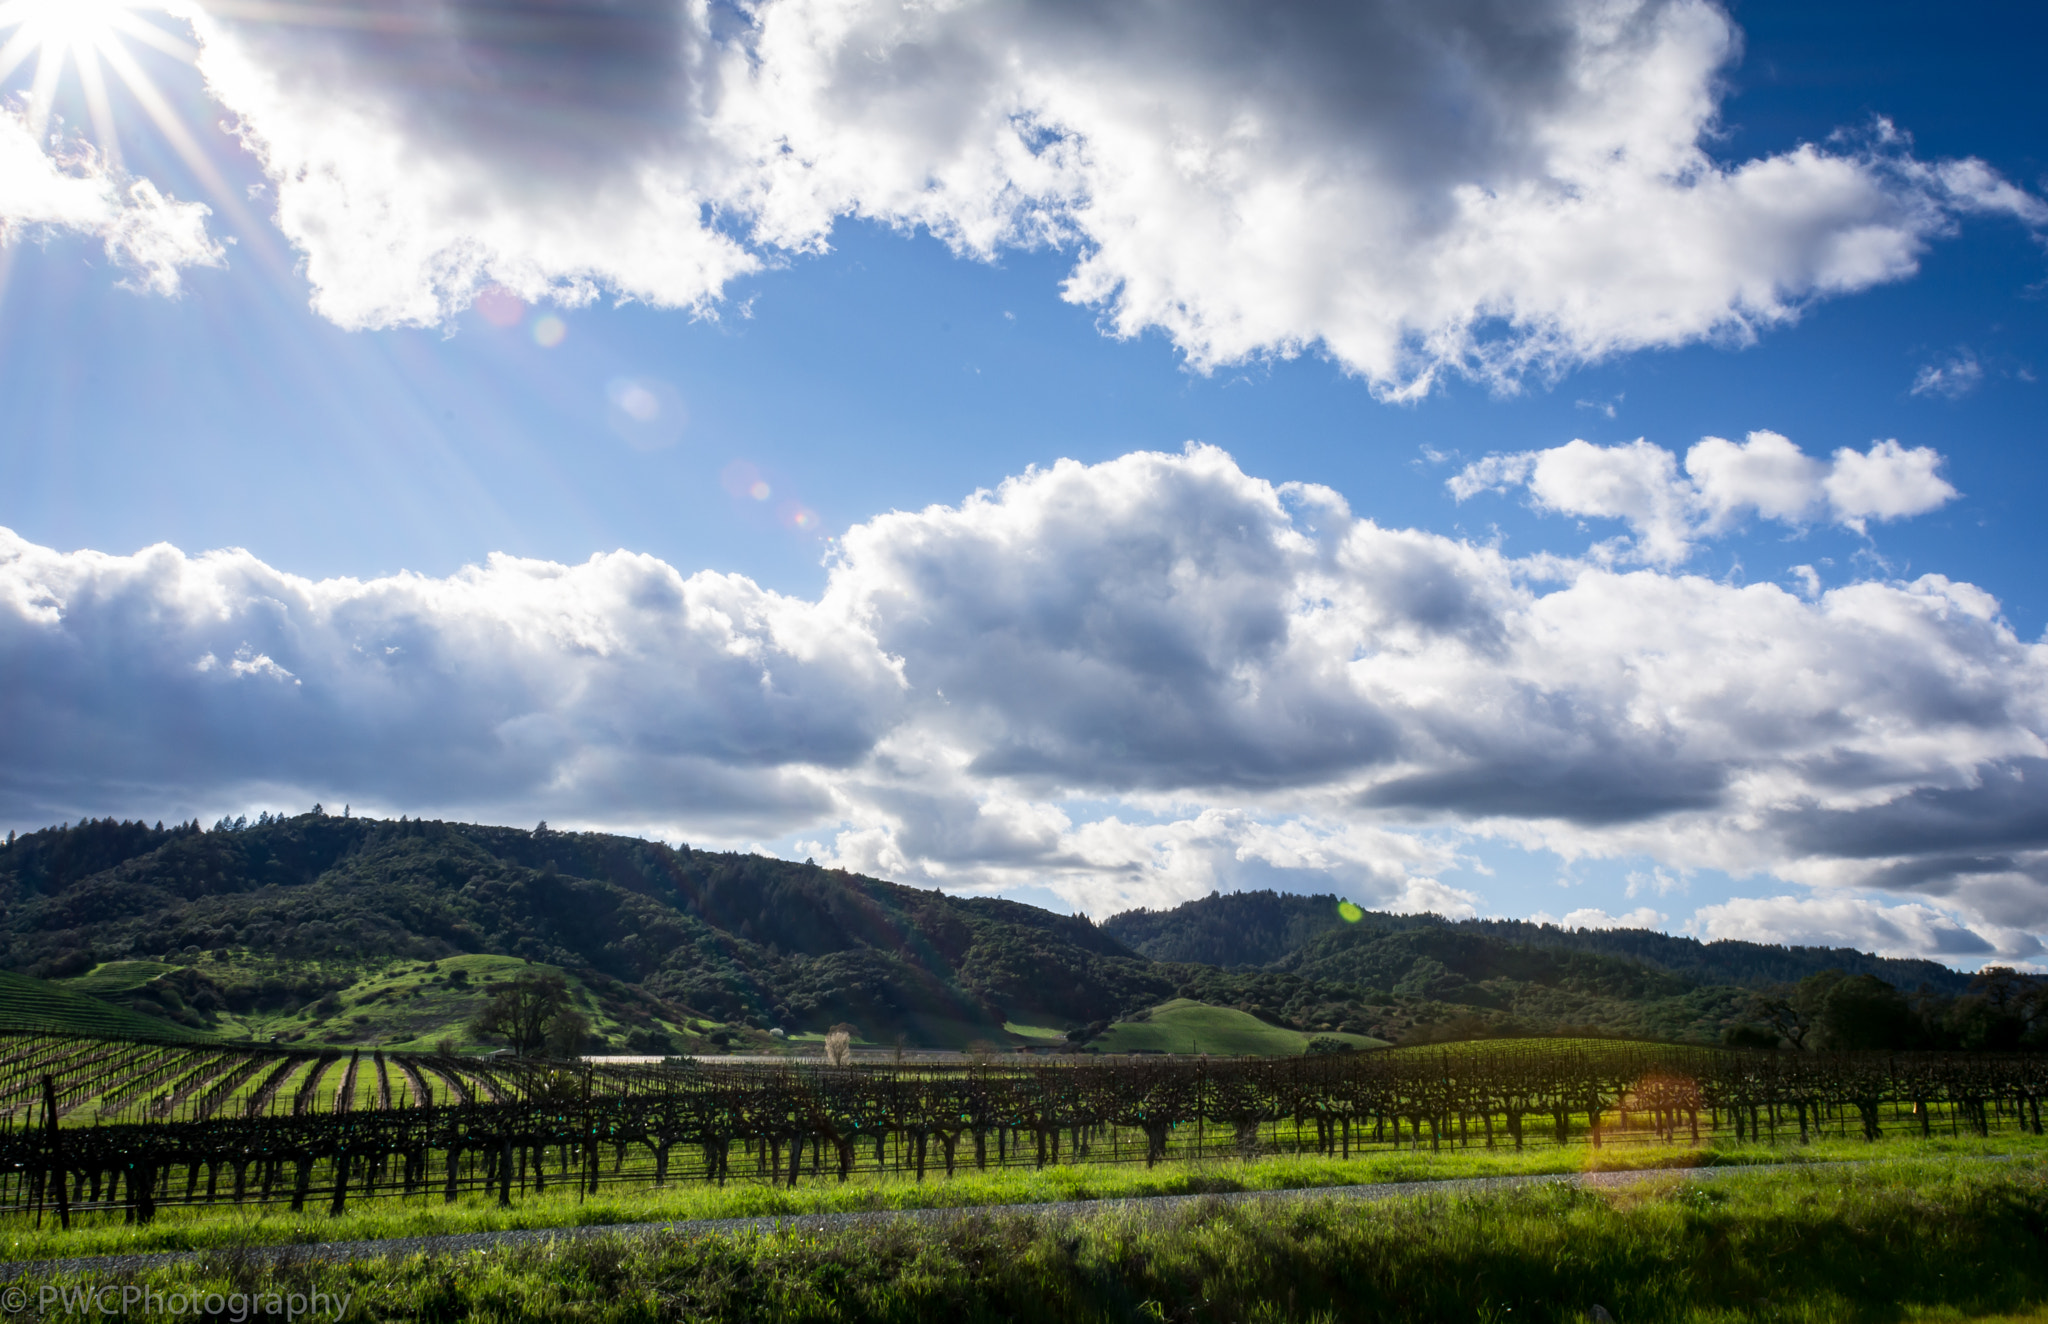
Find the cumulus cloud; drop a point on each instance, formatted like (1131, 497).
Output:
(1594, 918)
(1841, 921)
(1126, 682)
(1113, 864)
(1724, 482)
(1479, 187)
(617, 687)
(75, 190)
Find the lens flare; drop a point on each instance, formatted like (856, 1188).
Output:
(501, 307)
(647, 414)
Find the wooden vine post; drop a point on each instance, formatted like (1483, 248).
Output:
(52, 1137)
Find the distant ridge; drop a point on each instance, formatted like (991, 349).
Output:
(1263, 928)
(329, 930)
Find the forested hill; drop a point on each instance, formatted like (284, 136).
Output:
(329, 929)
(726, 935)
(1266, 928)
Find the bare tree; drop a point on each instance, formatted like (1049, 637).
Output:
(519, 1012)
(838, 1047)
(568, 1033)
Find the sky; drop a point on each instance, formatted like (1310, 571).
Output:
(1572, 460)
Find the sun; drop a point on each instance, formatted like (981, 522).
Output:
(90, 37)
(67, 21)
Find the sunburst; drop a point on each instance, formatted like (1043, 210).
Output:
(91, 37)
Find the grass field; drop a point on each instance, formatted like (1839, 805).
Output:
(1183, 1026)
(192, 1227)
(112, 979)
(1920, 1239)
(38, 1004)
(407, 1006)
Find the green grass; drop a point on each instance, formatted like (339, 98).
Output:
(401, 1005)
(1914, 1240)
(114, 978)
(1184, 1026)
(38, 1004)
(195, 1227)
(411, 1006)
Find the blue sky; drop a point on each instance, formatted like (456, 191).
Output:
(349, 398)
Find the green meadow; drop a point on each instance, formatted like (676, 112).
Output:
(1187, 1026)
(179, 1226)
(1923, 1238)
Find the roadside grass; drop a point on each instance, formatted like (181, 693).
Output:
(1898, 1240)
(1186, 1026)
(200, 1226)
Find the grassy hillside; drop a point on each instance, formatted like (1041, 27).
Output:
(1182, 1026)
(36, 1004)
(412, 1006)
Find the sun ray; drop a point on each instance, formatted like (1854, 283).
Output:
(94, 82)
(143, 88)
(94, 35)
(18, 48)
(128, 24)
(42, 96)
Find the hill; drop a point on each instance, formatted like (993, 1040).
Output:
(1264, 928)
(319, 929)
(36, 1004)
(1184, 1026)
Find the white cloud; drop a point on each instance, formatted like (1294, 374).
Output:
(1765, 475)
(1886, 482)
(1113, 864)
(1132, 681)
(1483, 188)
(1659, 880)
(1953, 378)
(617, 688)
(1843, 921)
(141, 229)
(1594, 918)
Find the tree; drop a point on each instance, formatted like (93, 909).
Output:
(1793, 1012)
(1864, 1012)
(1749, 1036)
(2001, 1012)
(567, 1034)
(519, 1011)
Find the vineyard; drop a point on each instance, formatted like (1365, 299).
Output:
(118, 1127)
